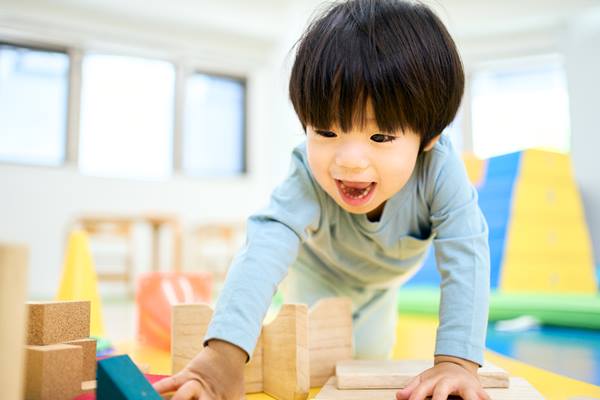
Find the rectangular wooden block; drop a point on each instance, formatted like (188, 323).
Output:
(53, 372)
(395, 374)
(188, 328)
(13, 293)
(51, 322)
(189, 323)
(329, 337)
(88, 347)
(519, 389)
(286, 372)
(253, 373)
(88, 386)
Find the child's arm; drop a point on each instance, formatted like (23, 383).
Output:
(463, 260)
(462, 257)
(273, 239)
(272, 244)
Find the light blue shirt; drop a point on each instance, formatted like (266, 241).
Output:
(304, 224)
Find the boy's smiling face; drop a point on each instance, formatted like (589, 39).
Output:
(363, 168)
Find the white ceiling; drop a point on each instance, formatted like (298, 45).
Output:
(266, 19)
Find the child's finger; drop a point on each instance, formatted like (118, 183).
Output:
(191, 390)
(169, 384)
(442, 390)
(483, 394)
(410, 386)
(424, 389)
(470, 394)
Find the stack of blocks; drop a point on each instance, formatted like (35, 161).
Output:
(304, 348)
(60, 356)
(380, 380)
(297, 350)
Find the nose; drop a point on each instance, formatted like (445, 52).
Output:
(352, 156)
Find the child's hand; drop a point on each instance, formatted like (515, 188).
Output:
(449, 376)
(216, 373)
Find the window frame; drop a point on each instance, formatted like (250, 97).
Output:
(175, 111)
(71, 87)
(183, 70)
(178, 156)
(509, 63)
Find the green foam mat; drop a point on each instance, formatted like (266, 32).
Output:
(572, 310)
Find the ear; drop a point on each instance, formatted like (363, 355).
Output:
(432, 143)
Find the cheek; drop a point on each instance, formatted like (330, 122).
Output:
(395, 171)
(317, 159)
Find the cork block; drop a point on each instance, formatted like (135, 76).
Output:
(53, 372)
(88, 347)
(52, 322)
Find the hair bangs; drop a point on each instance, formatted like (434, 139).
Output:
(393, 56)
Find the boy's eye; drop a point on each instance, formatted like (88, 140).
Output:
(381, 138)
(328, 134)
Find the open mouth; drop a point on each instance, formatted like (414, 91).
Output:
(356, 193)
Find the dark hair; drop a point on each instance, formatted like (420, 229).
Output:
(397, 54)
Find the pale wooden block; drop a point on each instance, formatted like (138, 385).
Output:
(519, 389)
(253, 374)
(88, 386)
(53, 372)
(330, 337)
(286, 372)
(395, 374)
(13, 292)
(189, 325)
(51, 322)
(88, 347)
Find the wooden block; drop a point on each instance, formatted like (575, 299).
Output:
(286, 372)
(51, 322)
(395, 374)
(330, 337)
(120, 379)
(88, 386)
(519, 389)
(13, 293)
(189, 326)
(53, 372)
(253, 373)
(88, 347)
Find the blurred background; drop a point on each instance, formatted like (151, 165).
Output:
(157, 127)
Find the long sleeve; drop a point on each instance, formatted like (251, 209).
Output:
(463, 261)
(273, 239)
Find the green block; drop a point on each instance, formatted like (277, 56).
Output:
(119, 379)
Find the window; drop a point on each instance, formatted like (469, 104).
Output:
(515, 107)
(455, 132)
(34, 86)
(214, 126)
(126, 127)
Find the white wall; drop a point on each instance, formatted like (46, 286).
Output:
(37, 203)
(582, 50)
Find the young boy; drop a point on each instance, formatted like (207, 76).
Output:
(374, 84)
